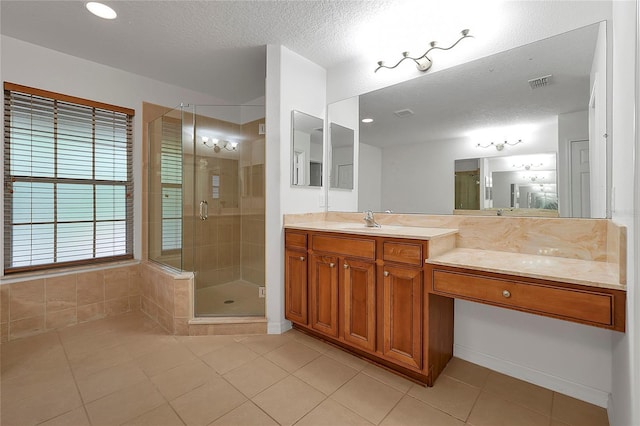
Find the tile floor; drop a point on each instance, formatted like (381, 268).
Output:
(126, 371)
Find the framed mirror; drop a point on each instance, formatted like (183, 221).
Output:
(307, 152)
(549, 96)
(341, 141)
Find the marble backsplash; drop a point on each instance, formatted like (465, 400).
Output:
(586, 239)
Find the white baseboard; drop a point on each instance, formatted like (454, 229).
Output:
(278, 327)
(558, 384)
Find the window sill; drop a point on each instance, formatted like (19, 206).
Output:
(27, 276)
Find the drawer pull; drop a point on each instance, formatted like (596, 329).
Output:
(301, 258)
(506, 293)
(386, 273)
(331, 265)
(345, 266)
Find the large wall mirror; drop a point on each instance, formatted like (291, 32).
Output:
(494, 120)
(307, 152)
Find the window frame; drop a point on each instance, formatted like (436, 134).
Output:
(94, 182)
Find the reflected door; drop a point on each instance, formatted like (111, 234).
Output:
(468, 190)
(580, 177)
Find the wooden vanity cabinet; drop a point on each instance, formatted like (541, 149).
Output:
(295, 277)
(366, 294)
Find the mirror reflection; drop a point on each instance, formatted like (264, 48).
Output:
(306, 149)
(342, 142)
(504, 184)
(544, 97)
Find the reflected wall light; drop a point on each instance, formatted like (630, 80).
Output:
(217, 145)
(499, 146)
(423, 63)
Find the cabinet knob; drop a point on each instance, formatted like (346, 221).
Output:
(506, 293)
(331, 265)
(386, 273)
(301, 258)
(345, 266)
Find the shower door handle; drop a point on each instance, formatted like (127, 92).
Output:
(204, 210)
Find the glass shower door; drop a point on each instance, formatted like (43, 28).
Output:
(225, 213)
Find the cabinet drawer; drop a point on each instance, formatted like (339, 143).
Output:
(352, 247)
(295, 240)
(591, 307)
(409, 253)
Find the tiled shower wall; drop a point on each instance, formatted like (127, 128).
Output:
(35, 306)
(252, 248)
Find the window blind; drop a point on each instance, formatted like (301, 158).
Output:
(68, 180)
(171, 182)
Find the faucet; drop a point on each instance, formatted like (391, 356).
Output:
(369, 220)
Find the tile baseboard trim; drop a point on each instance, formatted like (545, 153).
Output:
(558, 384)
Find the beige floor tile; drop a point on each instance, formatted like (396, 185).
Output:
(292, 356)
(315, 344)
(39, 407)
(98, 361)
(577, 413)
(36, 384)
(156, 340)
(410, 411)
(201, 345)
(159, 416)
(262, 344)
(208, 402)
(330, 412)
(183, 378)
(467, 372)
(288, 400)
(368, 397)
(245, 415)
(491, 410)
(89, 345)
(37, 353)
(555, 422)
(168, 357)
(531, 396)
(255, 376)
(229, 357)
(346, 358)
(385, 376)
(325, 374)
(122, 406)
(76, 417)
(449, 395)
(109, 380)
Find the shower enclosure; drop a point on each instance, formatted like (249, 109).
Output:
(207, 203)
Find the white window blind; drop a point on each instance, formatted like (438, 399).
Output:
(171, 181)
(68, 180)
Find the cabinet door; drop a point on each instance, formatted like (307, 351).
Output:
(402, 313)
(324, 294)
(360, 303)
(295, 291)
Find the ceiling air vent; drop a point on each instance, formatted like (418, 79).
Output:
(539, 82)
(404, 113)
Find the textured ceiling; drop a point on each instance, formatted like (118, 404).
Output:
(216, 47)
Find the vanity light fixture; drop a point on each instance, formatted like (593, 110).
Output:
(217, 145)
(101, 10)
(423, 63)
(527, 166)
(499, 146)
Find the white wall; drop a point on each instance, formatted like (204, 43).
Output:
(35, 66)
(293, 83)
(419, 178)
(624, 407)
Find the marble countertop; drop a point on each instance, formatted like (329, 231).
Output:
(584, 272)
(393, 231)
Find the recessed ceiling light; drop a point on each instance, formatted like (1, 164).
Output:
(367, 120)
(101, 10)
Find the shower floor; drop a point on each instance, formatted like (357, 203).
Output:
(210, 301)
